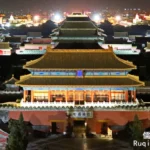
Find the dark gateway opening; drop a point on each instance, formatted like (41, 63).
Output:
(79, 123)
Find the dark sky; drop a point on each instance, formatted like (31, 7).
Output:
(71, 4)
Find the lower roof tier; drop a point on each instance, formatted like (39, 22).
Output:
(99, 59)
(121, 81)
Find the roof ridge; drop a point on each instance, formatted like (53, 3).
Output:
(78, 29)
(78, 21)
(12, 78)
(125, 61)
(80, 51)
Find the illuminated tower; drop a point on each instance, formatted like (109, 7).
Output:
(78, 29)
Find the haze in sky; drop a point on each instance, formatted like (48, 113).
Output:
(71, 5)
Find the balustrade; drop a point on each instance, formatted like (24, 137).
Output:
(47, 104)
(73, 104)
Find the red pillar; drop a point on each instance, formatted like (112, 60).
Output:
(73, 95)
(25, 93)
(32, 96)
(49, 96)
(109, 94)
(126, 96)
(92, 96)
(66, 96)
(134, 96)
(84, 95)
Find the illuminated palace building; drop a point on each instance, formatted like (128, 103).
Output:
(79, 78)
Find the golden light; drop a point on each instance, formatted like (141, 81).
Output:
(36, 18)
(118, 18)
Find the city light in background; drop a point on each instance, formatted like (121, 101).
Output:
(57, 17)
(7, 24)
(125, 18)
(11, 18)
(96, 17)
(36, 18)
(118, 18)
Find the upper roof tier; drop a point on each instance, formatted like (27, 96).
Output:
(78, 18)
(77, 28)
(91, 59)
(78, 24)
(82, 32)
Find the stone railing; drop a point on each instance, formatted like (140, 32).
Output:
(72, 104)
(47, 104)
(109, 104)
(11, 92)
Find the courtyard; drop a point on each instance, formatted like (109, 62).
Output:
(79, 144)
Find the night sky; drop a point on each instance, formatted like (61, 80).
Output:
(71, 5)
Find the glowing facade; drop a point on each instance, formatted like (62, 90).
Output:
(74, 76)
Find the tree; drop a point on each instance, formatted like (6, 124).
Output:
(107, 27)
(136, 131)
(48, 27)
(13, 141)
(69, 128)
(23, 133)
(17, 139)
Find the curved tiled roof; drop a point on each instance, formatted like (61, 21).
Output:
(122, 81)
(84, 18)
(4, 45)
(78, 24)
(12, 80)
(92, 59)
(78, 32)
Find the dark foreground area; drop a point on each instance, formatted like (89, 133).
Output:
(80, 144)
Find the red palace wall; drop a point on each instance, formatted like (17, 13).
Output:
(112, 117)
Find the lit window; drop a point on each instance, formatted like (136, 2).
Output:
(118, 73)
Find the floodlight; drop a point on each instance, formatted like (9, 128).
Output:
(36, 18)
(118, 18)
(96, 18)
